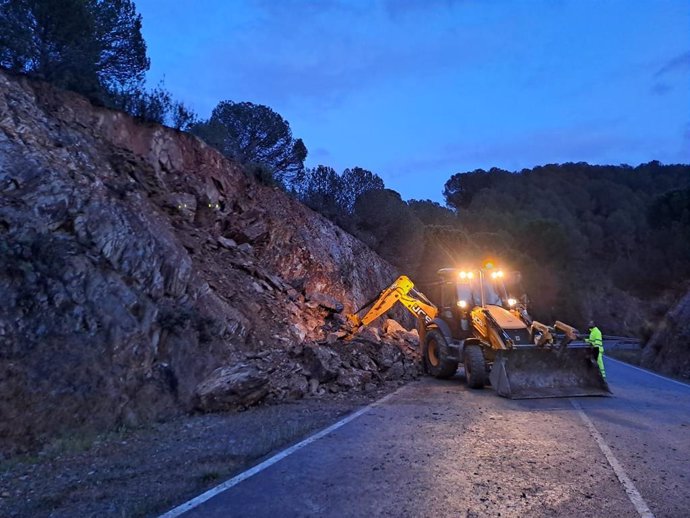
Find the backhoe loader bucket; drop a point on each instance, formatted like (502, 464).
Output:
(541, 372)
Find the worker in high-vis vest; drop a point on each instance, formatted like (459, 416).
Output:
(595, 340)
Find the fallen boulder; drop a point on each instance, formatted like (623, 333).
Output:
(392, 327)
(388, 355)
(369, 334)
(396, 371)
(353, 378)
(230, 388)
(321, 363)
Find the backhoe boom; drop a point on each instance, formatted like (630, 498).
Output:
(403, 291)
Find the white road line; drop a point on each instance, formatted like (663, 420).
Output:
(649, 372)
(194, 502)
(630, 489)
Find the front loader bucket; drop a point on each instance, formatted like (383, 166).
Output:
(541, 372)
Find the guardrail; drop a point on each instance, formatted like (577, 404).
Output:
(621, 343)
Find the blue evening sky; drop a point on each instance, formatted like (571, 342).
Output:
(417, 90)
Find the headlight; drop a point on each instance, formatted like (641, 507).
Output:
(499, 274)
(462, 304)
(463, 275)
(512, 302)
(470, 275)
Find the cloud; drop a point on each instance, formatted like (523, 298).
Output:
(681, 62)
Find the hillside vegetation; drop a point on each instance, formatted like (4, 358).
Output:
(604, 242)
(588, 239)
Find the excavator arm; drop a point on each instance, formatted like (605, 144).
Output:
(402, 291)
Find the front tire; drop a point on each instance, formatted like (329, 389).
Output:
(436, 355)
(475, 368)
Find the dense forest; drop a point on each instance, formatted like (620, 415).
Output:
(589, 241)
(611, 242)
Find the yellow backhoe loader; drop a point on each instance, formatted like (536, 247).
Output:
(474, 322)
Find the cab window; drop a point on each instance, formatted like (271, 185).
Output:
(447, 295)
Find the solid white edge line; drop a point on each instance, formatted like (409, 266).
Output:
(649, 372)
(630, 489)
(195, 502)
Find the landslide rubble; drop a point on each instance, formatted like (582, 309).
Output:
(143, 275)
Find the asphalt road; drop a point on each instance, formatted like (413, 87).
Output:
(436, 448)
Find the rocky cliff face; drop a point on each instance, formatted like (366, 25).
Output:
(668, 350)
(139, 269)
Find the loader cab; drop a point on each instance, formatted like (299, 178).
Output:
(467, 289)
(458, 295)
(499, 289)
(494, 292)
(460, 291)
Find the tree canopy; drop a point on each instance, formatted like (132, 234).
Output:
(582, 235)
(355, 182)
(462, 187)
(335, 195)
(254, 134)
(580, 228)
(388, 225)
(321, 189)
(89, 46)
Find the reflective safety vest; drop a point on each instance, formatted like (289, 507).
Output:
(595, 338)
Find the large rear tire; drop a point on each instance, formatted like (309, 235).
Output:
(436, 355)
(475, 368)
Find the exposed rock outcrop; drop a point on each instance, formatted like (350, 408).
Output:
(668, 350)
(135, 261)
